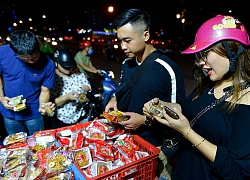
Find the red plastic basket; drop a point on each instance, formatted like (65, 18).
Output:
(142, 169)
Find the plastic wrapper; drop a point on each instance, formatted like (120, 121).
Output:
(37, 173)
(82, 98)
(115, 116)
(18, 152)
(101, 125)
(111, 130)
(43, 156)
(74, 140)
(79, 140)
(140, 154)
(58, 161)
(156, 109)
(3, 157)
(12, 163)
(51, 132)
(27, 171)
(127, 148)
(115, 133)
(48, 110)
(60, 176)
(65, 137)
(102, 167)
(95, 134)
(18, 102)
(104, 151)
(82, 157)
(15, 139)
(40, 143)
(14, 173)
(20, 106)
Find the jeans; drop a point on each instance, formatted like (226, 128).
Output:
(30, 126)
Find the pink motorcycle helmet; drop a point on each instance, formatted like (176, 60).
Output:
(216, 29)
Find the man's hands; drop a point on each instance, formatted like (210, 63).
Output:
(5, 100)
(112, 105)
(134, 122)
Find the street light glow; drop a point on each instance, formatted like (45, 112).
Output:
(110, 9)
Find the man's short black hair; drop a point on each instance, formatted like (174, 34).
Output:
(133, 16)
(24, 42)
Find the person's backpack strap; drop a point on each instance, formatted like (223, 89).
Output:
(124, 92)
(151, 58)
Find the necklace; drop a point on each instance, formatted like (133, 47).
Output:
(245, 85)
(223, 90)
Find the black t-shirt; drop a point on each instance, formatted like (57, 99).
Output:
(162, 79)
(229, 132)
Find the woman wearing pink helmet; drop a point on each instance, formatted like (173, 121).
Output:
(215, 120)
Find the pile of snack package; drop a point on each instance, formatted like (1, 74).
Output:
(95, 147)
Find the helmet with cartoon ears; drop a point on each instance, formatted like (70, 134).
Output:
(217, 29)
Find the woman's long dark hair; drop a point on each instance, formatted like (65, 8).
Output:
(242, 72)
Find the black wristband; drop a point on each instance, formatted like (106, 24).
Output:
(148, 122)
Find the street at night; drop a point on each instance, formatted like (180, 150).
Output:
(64, 115)
(186, 62)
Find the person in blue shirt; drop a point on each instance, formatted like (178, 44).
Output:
(25, 71)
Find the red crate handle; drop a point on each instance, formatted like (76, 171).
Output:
(126, 174)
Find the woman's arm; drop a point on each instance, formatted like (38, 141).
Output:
(182, 125)
(59, 101)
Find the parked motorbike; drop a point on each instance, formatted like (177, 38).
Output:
(94, 105)
(108, 85)
(98, 98)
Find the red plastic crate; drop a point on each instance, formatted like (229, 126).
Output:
(74, 127)
(142, 169)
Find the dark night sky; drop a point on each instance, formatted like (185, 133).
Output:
(163, 12)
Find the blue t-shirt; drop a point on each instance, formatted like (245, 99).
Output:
(21, 78)
(162, 79)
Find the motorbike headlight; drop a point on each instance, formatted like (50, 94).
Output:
(100, 96)
(116, 46)
(111, 74)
